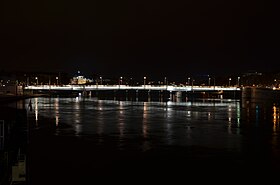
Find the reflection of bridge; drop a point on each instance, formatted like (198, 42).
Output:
(126, 87)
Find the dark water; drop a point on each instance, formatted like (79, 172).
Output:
(86, 141)
(149, 125)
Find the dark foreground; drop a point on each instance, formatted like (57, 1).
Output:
(81, 160)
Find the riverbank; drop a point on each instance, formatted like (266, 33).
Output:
(12, 98)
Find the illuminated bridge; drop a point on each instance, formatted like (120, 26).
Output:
(143, 91)
(126, 87)
(156, 91)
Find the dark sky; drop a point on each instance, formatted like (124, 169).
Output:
(135, 38)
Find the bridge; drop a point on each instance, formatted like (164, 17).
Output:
(127, 87)
(167, 91)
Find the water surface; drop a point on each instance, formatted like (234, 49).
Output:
(74, 140)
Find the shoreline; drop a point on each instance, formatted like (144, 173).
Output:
(12, 98)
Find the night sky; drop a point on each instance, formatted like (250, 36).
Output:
(140, 38)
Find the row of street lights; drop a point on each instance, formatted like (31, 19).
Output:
(214, 81)
(189, 81)
(238, 81)
(144, 78)
(37, 80)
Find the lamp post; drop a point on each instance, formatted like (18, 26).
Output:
(209, 79)
(36, 78)
(238, 81)
(189, 80)
(229, 81)
(144, 81)
(120, 82)
(100, 80)
(56, 80)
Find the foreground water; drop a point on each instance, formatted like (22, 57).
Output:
(86, 140)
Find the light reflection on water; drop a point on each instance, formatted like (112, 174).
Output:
(229, 124)
(209, 123)
(125, 134)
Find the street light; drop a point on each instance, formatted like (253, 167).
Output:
(209, 79)
(144, 81)
(36, 78)
(189, 80)
(238, 81)
(120, 82)
(56, 80)
(229, 81)
(100, 80)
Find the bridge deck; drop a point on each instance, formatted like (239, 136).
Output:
(126, 87)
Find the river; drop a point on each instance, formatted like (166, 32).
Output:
(84, 140)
